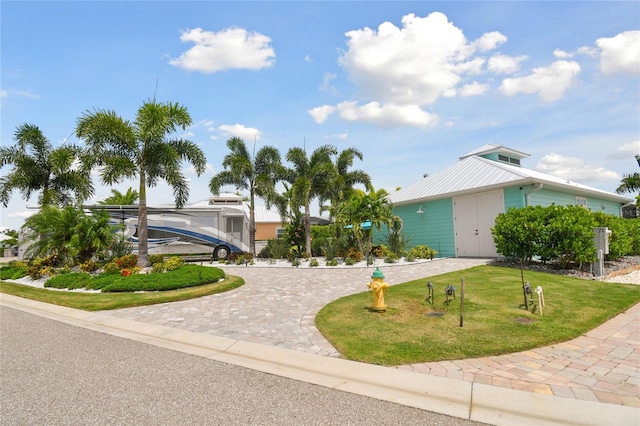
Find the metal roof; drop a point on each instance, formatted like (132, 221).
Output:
(475, 174)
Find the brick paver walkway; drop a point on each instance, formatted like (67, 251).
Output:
(277, 307)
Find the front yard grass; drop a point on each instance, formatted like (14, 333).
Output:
(494, 322)
(105, 301)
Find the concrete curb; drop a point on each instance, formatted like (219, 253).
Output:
(457, 398)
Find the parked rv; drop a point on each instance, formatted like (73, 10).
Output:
(219, 226)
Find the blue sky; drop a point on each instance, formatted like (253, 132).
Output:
(413, 85)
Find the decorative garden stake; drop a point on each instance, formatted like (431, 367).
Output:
(462, 302)
(540, 299)
(449, 291)
(378, 286)
(429, 298)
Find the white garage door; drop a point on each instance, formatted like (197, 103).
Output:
(474, 216)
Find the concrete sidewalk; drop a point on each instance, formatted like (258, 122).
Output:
(457, 398)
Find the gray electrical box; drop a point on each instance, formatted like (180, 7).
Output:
(601, 240)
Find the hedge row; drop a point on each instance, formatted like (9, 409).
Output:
(185, 276)
(563, 234)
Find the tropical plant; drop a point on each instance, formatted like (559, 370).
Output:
(117, 198)
(630, 183)
(363, 213)
(396, 239)
(345, 180)
(122, 150)
(68, 233)
(257, 173)
(38, 167)
(310, 177)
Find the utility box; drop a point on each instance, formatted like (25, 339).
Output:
(601, 239)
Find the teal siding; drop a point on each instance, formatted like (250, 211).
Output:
(513, 197)
(547, 197)
(434, 227)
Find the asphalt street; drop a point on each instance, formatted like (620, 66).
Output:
(53, 373)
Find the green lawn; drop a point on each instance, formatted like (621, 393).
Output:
(494, 321)
(103, 301)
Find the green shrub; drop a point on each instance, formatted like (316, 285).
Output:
(332, 262)
(185, 276)
(422, 252)
(12, 272)
(156, 258)
(71, 281)
(110, 267)
(354, 254)
(391, 258)
(314, 262)
(621, 239)
(349, 261)
(88, 266)
(126, 261)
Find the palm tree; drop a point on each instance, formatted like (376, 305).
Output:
(309, 178)
(344, 181)
(117, 198)
(121, 150)
(629, 183)
(258, 174)
(38, 167)
(363, 213)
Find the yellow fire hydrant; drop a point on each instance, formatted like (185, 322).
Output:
(378, 286)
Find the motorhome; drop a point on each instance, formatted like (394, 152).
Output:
(219, 226)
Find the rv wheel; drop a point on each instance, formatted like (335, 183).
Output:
(221, 253)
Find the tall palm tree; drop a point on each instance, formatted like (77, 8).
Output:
(310, 178)
(38, 167)
(121, 149)
(256, 173)
(345, 180)
(117, 198)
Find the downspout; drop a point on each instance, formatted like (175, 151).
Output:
(527, 199)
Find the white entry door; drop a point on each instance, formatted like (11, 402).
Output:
(474, 216)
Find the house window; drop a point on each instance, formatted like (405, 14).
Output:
(581, 201)
(514, 161)
(280, 232)
(503, 158)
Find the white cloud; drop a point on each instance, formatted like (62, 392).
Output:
(620, 54)
(503, 64)
(413, 65)
(574, 169)
(561, 54)
(490, 41)
(321, 113)
(473, 89)
(627, 151)
(326, 83)
(240, 131)
(307, 58)
(338, 136)
(388, 115)
(549, 83)
(227, 49)
(3, 94)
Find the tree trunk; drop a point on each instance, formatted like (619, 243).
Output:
(307, 229)
(143, 234)
(252, 224)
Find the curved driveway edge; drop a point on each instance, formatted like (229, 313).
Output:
(456, 398)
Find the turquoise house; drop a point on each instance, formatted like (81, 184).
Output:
(454, 210)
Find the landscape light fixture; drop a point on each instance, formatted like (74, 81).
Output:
(420, 210)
